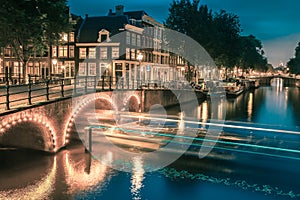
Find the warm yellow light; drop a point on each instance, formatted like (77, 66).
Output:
(54, 61)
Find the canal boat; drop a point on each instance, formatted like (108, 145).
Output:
(233, 89)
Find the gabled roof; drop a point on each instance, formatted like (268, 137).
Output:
(92, 25)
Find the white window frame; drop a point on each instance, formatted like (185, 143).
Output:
(82, 69)
(115, 52)
(82, 53)
(92, 52)
(92, 69)
(103, 53)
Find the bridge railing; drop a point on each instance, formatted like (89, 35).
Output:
(36, 91)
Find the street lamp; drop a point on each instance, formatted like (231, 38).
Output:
(63, 71)
(54, 62)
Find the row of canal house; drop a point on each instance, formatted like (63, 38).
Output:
(120, 44)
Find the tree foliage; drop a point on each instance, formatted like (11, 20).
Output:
(30, 26)
(252, 54)
(294, 63)
(218, 32)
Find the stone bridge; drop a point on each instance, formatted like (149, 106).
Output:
(49, 126)
(287, 80)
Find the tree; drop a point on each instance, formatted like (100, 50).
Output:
(294, 63)
(30, 27)
(217, 32)
(252, 54)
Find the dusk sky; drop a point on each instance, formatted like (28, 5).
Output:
(275, 23)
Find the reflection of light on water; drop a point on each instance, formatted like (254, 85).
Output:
(39, 190)
(203, 112)
(137, 177)
(250, 106)
(220, 110)
(242, 184)
(278, 83)
(85, 173)
(181, 124)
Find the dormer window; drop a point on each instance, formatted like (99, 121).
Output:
(133, 21)
(103, 36)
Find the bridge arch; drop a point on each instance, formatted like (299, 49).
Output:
(132, 103)
(79, 106)
(29, 131)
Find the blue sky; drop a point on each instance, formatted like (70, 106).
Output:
(275, 23)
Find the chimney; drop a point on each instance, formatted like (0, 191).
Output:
(110, 12)
(119, 10)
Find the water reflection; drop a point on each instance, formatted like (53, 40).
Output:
(82, 172)
(137, 178)
(250, 107)
(28, 184)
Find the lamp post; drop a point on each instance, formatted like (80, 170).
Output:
(63, 71)
(54, 63)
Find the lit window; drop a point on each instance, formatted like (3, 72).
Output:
(82, 53)
(71, 52)
(63, 51)
(71, 37)
(127, 54)
(64, 37)
(103, 53)
(132, 54)
(115, 52)
(92, 52)
(54, 51)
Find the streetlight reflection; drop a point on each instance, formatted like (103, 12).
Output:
(137, 178)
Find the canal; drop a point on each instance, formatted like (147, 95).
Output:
(239, 167)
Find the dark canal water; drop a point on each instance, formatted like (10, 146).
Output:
(230, 171)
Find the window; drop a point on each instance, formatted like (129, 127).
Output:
(103, 36)
(63, 51)
(138, 40)
(103, 53)
(115, 52)
(103, 70)
(82, 69)
(92, 69)
(92, 52)
(69, 68)
(64, 37)
(132, 54)
(127, 54)
(71, 52)
(133, 39)
(82, 53)
(71, 37)
(54, 51)
(127, 37)
(16, 68)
